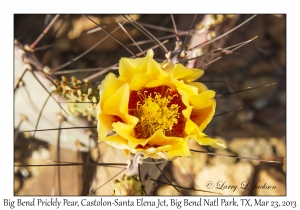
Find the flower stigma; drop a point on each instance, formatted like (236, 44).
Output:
(157, 108)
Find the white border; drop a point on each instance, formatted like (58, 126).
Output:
(154, 6)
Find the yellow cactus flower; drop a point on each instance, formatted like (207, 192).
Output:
(155, 108)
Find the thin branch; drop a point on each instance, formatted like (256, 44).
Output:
(32, 46)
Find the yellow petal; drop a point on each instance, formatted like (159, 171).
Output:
(158, 138)
(105, 124)
(154, 152)
(216, 143)
(117, 103)
(116, 142)
(190, 127)
(167, 66)
(163, 81)
(152, 72)
(181, 149)
(190, 90)
(201, 87)
(127, 132)
(202, 116)
(193, 130)
(128, 68)
(203, 99)
(180, 72)
(108, 86)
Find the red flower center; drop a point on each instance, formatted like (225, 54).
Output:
(157, 108)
